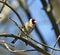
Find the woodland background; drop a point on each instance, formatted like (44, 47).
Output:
(47, 29)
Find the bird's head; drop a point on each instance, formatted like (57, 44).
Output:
(32, 21)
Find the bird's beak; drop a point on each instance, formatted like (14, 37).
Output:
(35, 21)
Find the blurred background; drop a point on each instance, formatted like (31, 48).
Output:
(47, 29)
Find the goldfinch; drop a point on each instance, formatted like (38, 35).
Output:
(29, 27)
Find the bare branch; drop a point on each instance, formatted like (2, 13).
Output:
(14, 22)
(55, 43)
(15, 36)
(29, 42)
(3, 5)
(46, 45)
(52, 19)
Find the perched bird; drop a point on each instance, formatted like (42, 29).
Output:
(29, 28)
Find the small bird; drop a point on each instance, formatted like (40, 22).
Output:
(29, 28)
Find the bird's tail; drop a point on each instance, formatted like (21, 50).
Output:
(14, 40)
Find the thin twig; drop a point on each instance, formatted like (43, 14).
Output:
(55, 43)
(29, 50)
(3, 5)
(14, 22)
(45, 45)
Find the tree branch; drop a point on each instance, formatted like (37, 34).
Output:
(3, 5)
(55, 43)
(52, 19)
(14, 22)
(29, 42)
